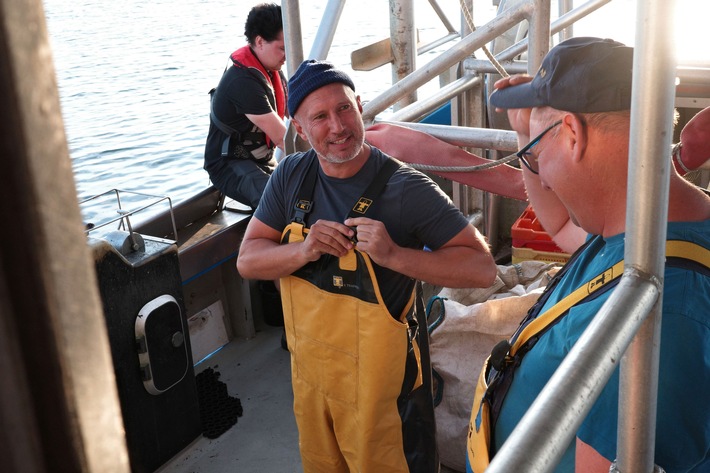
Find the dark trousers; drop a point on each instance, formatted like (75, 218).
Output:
(242, 179)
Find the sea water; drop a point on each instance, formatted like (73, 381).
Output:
(134, 77)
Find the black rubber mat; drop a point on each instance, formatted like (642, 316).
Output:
(218, 410)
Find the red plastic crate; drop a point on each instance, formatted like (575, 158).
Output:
(527, 232)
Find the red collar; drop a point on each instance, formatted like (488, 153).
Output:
(245, 57)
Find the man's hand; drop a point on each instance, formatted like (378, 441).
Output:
(550, 211)
(326, 237)
(373, 239)
(695, 138)
(519, 118)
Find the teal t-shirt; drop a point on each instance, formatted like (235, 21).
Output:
(683, 418)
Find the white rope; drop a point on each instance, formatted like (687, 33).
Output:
(478, 167)
(469, 21)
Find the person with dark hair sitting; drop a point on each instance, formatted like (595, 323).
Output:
(248, 109)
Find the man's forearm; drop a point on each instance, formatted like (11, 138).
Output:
(268, 260)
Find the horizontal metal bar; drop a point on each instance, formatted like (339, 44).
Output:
(437, 42)
(485, 66)
(457, 53)
(421, 108)
(696, 74)
(486, 138)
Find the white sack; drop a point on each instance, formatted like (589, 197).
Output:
(474, 321)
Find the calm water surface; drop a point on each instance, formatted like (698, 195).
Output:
(133, 79)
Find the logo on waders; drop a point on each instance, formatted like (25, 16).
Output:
(338, 281)
(304, 205)
(362, 205)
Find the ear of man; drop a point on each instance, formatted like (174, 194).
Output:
(573, 125)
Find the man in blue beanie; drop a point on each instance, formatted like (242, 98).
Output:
(348, 230)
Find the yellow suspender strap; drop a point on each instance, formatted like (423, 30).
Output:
(674, 249)
(688, 250)
(565, 304)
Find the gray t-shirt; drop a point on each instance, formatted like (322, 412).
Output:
(415, 211)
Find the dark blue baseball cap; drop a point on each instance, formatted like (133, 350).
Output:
(582, 75)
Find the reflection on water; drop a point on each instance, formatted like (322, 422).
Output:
(133, 79)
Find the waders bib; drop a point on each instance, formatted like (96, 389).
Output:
(356, 370)
(498, 370)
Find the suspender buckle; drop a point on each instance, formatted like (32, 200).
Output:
(500, 355)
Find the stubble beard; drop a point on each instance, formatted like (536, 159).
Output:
(340, 159)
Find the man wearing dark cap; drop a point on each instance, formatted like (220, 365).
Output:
(577, 107)
(348, 230)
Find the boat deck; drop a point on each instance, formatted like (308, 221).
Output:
(265, 438)
(257, 372)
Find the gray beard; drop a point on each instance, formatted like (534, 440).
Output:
(333, 159)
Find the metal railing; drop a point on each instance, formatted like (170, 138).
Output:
(124, 215)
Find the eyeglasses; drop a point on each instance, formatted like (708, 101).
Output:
(524, 154)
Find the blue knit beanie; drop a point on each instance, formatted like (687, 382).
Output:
(310, 76)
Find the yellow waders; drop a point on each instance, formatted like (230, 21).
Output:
(348, 360)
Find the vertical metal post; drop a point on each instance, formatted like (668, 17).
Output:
(538, 35)
(564, 6)
(326, 29)
(653, 96)
(291, 12)
(472, 114)
(465, 27)
(404, 45)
